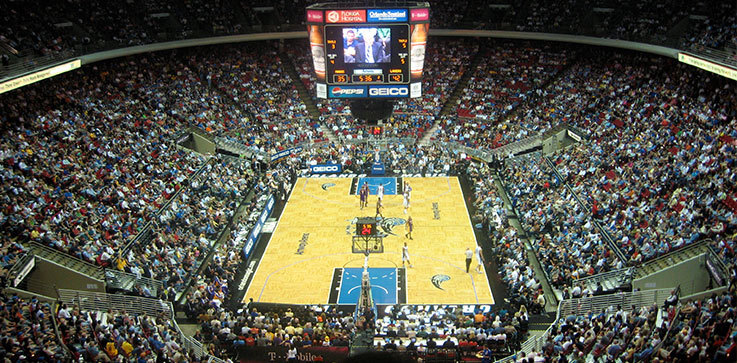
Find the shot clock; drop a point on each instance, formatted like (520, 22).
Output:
(361, 52)
(366, 227)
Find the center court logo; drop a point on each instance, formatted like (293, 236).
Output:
(439, 279)
(388, 224)
(327, 185)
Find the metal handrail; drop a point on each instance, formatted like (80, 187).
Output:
(18, 265)
(166, 205)
(614, 247)
(97, 271)
(639, 299)
(606, 275)
(98, 301)
(117, 279)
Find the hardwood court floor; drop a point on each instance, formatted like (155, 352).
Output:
(313, 237)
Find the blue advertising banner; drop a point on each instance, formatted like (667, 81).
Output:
(385, 15)
(256, 231)
(388, 91)
(284, 153)
(378, 169)
(326, 168)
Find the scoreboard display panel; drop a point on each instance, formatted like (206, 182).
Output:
(368, 52)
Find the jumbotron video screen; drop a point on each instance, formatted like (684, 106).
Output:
(368, 52)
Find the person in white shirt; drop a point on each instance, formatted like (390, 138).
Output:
(480, 259)
(292, 354)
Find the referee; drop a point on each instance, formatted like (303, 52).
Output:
(469, 258)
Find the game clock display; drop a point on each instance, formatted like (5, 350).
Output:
(368, 52)
(366, 227)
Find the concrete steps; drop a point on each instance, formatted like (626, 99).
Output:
(68, 261)
(672, 258)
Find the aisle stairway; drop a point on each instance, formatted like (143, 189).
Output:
(552, 298)
(305, 95)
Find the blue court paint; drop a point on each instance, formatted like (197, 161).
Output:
(383, 285)
(390, 185)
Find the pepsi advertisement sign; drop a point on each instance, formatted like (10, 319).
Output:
(386, 15)
(388, 91)
(347, 91)
(326, 168)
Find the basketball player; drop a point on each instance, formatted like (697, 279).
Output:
(480, 259)
(405, 255)
(380, 191)
(469, 258)
(405, 201)
(410, 226)
(379, 209)
(364, 195)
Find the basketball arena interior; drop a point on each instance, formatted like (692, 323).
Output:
(368, 181)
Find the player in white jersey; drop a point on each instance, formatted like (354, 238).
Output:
(405, 255)
(480, 259)
(380, 191)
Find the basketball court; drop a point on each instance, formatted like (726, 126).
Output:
(309, 259)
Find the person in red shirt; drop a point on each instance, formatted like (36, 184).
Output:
(250, 341)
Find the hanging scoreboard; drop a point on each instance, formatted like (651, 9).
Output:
(368, 52)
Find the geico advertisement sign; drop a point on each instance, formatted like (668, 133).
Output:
(325, 169)
(389, 91)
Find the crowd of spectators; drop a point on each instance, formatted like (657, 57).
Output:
(82, 26)
(52, 28)
(114, 336)
(524, 290)
(412, 329)
(506, 77)
(211, 287)
(629, 334)
(27, 330)
(86, 161)
(657, 168)
(563, 234)
(184, 233)
(716, 27)
(85, 164)
(295, 326)
(256, 78)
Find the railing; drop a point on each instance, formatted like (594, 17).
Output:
(595, 304)
(613, 246)
(57, 335)
(125, 281)
(142, 233)
(133, 305)
(690, 247)
(67, 260)
(619, 275)
(190, 344)
(103, 302)
(720, 56)
(34, 65)
(17, 267)
(517, 146)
